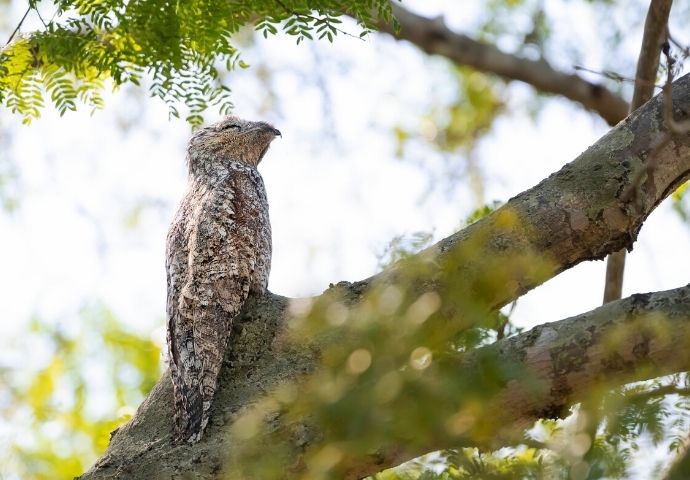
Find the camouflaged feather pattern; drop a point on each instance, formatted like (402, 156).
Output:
(218, 253)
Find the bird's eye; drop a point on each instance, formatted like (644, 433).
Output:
(232, 126)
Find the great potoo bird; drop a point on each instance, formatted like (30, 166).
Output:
(218, 253)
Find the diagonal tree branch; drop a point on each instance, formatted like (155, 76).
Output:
(434, 37)
(574, 215)
(19, 25)
(641, 337)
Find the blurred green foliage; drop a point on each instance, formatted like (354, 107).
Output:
(63, 407)
(457, 126)
(472, 115)
(180, 48)
(390, 375)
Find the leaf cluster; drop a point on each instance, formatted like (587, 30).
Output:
(180, 48)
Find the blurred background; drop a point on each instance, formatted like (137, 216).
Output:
(384, 148)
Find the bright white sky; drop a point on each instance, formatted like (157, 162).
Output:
(337, 192)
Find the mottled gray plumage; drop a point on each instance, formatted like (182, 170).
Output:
(218, 253)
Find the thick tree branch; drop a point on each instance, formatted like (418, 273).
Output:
(641, 337)
(434, 37)
(645, 78)
(574, 215)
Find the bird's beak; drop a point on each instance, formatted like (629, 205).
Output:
(267, 127)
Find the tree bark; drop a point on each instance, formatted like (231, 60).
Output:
(578, 213)
(641, 337)
(435, 38)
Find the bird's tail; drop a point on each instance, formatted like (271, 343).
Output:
(190, 417)
(195, 378)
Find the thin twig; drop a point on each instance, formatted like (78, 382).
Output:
(18, 26)
(615, 76)
(683, 48)
(40, 17)
(501, 330)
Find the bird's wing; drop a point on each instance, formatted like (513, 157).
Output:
(178, 327)
(221, 262)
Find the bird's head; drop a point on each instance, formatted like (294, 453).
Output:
(231, 139)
